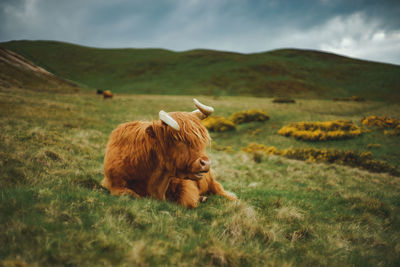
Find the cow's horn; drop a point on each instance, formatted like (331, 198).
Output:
(165, 117)
(203, 111)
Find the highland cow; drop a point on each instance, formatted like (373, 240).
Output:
(107, 94)
(142, 158)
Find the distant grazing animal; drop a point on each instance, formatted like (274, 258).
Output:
(143, 158)
(99, 91)
(107, 94)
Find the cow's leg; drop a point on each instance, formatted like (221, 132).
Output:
(189, 194)
(185, 193)
(123, 191)
(118, 187)
(216, 188)
(157, 184)
(203, 199)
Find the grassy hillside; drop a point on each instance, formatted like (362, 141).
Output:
(156, 71)
(17, 71)
(54, 213)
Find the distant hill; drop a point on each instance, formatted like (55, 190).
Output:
(17, 71)
(286, 72)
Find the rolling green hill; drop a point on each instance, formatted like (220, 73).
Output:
(17, 71)
(286, 72)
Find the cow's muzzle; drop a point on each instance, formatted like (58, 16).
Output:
(198, 169)
(196, 176)
(204, 165)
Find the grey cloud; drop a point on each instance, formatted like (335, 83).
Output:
(344, 27)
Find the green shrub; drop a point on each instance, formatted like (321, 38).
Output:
(248, 116)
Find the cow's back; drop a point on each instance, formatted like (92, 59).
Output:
(130, 153)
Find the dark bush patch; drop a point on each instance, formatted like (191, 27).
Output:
(350, 98)
(257, 156)
(280, 100)
(70, 125)
(53, 155)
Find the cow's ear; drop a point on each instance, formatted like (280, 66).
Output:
(150, 131)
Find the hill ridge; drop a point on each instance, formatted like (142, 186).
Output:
(282, 72)
(17, 71)
(305, 50)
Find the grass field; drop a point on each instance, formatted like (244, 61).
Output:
(54, 213)
(285, 72)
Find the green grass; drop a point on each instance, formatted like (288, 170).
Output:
(54, 213)
(284, 73)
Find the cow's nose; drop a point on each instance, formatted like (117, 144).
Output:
(205, 165)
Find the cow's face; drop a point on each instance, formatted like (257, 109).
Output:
(188, 149)
(184, 140)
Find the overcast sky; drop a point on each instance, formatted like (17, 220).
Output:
(366, 29)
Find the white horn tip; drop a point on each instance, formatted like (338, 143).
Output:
(207, 108)
(165, 117)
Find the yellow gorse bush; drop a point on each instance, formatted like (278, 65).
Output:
(394, 132)
(391, 125)
(321, 131)
(255, 147)
(221, 124)
(218, 124)
(362, 160)
(381, 122)
(248, 116)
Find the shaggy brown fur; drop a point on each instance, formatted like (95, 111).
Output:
(143, 157)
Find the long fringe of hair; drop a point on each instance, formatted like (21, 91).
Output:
(191, 130)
